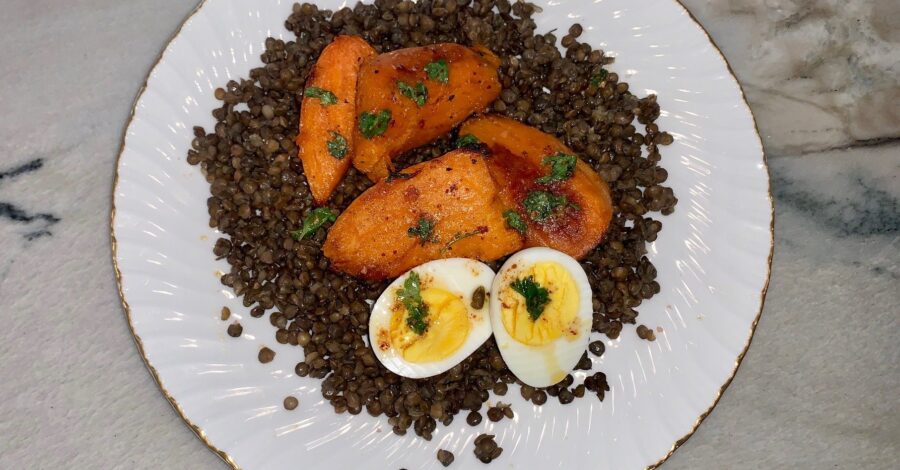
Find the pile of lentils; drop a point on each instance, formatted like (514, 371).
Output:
(259, 195)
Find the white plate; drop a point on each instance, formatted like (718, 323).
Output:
(713, 257)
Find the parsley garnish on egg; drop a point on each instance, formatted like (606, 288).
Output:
(536, 297)
(410, 295)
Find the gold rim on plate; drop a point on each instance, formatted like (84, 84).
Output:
(201, 434)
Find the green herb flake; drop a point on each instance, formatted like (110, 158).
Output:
(374, 124)
(410, 295)
(438, 71)
(536, 297)
(424, 230)
(417, 93)
(543, 204)
(399, 175)
(468, 141)
(459, 236)
(562, 167)
(313, 221)
(596, 79)
(515, 221)
(337, 146)
(324, 96)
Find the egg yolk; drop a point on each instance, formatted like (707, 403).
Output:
(559, 316)
(448, 327)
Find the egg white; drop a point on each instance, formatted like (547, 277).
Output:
(460, 276)
(544, 365)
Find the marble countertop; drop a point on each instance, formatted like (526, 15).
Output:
(818, 388)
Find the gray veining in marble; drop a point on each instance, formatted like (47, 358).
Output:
(817, 390)
(819, 74)
(35, 224)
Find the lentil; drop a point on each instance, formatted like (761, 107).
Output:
(486, 449)
(235, 330)
(478, 298)
(597, 348)
(266, 355)
(646, 333)
(445, 457)
(290, 403)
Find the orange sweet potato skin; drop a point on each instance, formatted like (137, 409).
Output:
(517, 153)
(336, 71)
(473, 85)
(370, 239)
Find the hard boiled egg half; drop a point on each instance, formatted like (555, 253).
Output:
(541, 313)
(426, 322)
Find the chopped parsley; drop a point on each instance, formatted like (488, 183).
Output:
(542, 204)
(459, 236)
(468, 141)
(438, 71)
(313, 221)
(410, 295)
(536, 297)
(374, 124)
(417, 93)
(326, 97)
(424, 230)
(562, 166)
(596, 79)
(515, 221)
(399, 175)
(337, 146)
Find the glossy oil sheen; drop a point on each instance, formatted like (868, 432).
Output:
(713, 258)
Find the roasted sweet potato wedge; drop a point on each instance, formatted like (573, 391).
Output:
(409, 97)
(328, 114)
(561, 200)
(443, 208)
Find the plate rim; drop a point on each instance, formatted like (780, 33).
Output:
(223, 455)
